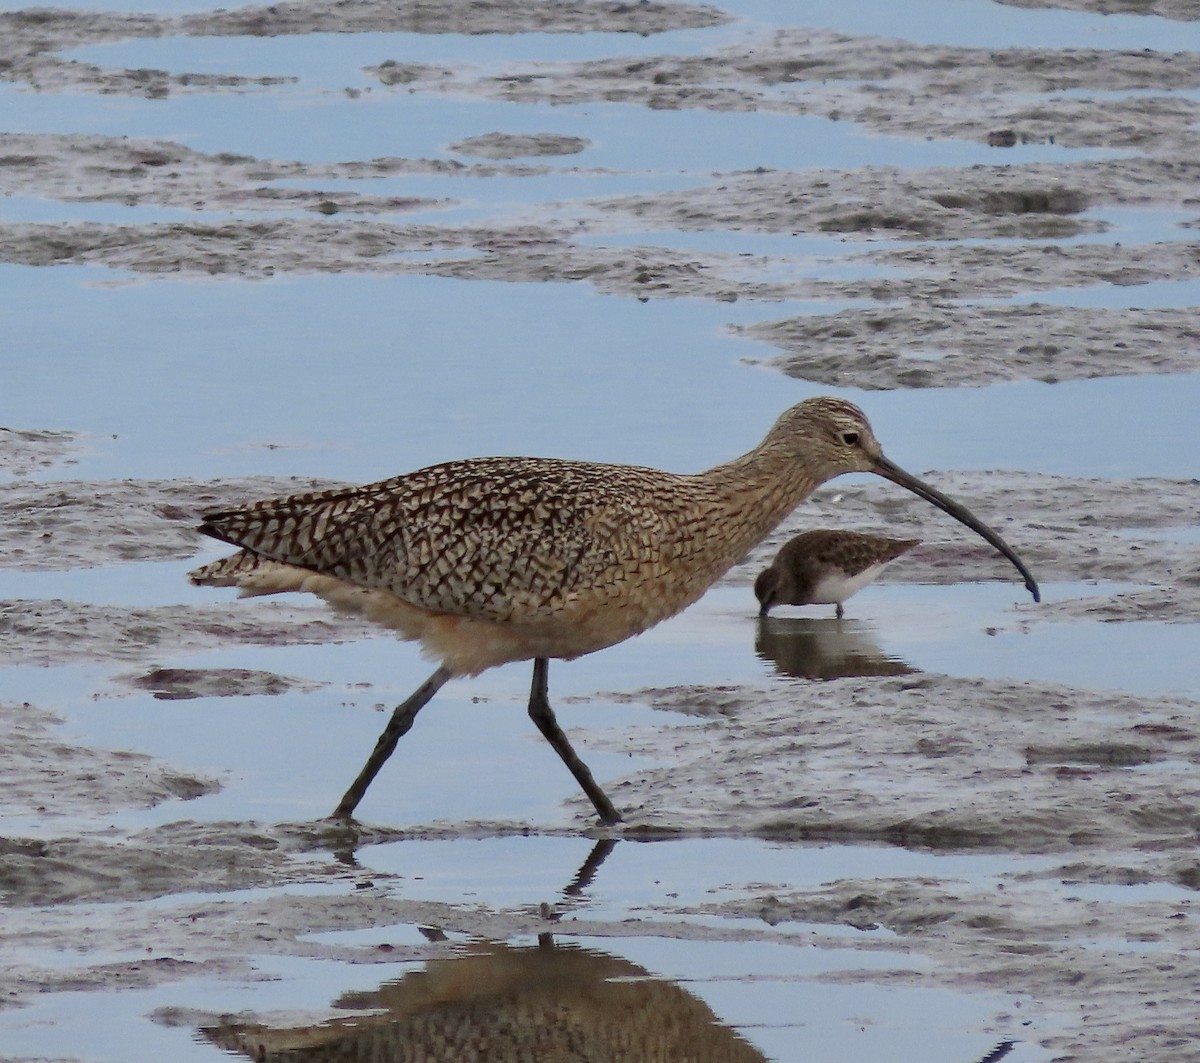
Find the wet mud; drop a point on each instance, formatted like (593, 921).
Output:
(53, 524)
(1047, 767)
(31, 37)
(25, 451)
(183, 684)
(514, 146)
(51, 631)
(883, 755)
(59, 779)
(1033, 209)
(943, 283)
(1173, 9)
(988, 935)
(1100, 783)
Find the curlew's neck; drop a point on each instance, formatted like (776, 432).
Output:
(754, 492)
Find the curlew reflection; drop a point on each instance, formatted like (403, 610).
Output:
(588, 869)
(503, 1003)
(823, 648)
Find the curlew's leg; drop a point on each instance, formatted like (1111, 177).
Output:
(840, 611)
(541, 714)
(398, 725)
(587, 871)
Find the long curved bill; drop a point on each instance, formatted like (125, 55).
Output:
(897, 475)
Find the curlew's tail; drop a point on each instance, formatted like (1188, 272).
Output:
(250, 573)
(228, 572)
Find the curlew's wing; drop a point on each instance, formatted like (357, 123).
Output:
(488, 537)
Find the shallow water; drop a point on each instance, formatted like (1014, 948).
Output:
(474, 752)
(354, 377)
(483, 359)
(783, 1013)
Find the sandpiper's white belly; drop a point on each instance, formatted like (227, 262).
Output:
(833, 588)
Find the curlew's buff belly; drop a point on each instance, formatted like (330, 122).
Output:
(469, 645)
(580, 624)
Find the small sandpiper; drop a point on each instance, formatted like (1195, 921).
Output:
(825, 567)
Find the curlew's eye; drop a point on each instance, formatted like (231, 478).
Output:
(850, 439)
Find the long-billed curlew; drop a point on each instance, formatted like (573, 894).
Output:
(492, 560)
(825, 567)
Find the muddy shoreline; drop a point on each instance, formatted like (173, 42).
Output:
(1079, 791)
(1107, 791)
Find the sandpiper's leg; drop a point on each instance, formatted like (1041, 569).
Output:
(398, 725)
(840, 610)
(541, 714)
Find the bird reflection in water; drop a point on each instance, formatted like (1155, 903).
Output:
(500, 1003)
(823, 648)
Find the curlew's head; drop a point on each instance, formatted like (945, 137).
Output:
(829, 435)
(832, 437)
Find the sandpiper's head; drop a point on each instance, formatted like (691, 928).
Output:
(832, 436)
(773, 587)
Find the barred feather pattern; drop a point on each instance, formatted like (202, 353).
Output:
(533, 556)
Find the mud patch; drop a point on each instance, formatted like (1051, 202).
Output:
(1002, 96)
(25, 451)
(1026, 936)
(956, 345)
(181, 857)
(894, 759)
(929, 338)
(29, 38)
(896, 87)
(141, 865)
(135, 171)
(935, 203)
(49, 631)
(181, 684)
(60, 779)
(1181, 10)
(78, 524)
(515, 145)
(937, 271)
(540, 16)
